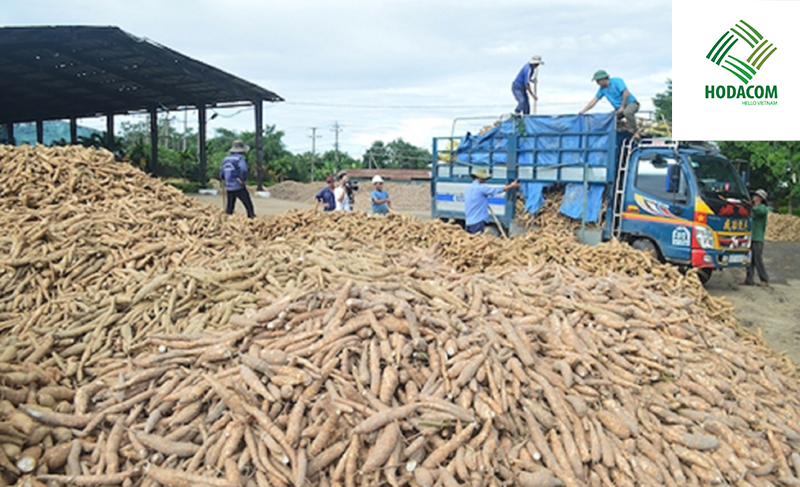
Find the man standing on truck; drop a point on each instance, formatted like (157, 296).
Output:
(476, 200)
(759, 214)
(621, 99)
(233, 173)
(522, 85)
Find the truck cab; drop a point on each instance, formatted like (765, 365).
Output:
(682, 202)
(685, 204)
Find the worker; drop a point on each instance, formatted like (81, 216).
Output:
(325, 196)
(621, 99)
(380, 198)
(233, 173)
(759, 214)
(522, 85)
(476, 200)
(343, 194)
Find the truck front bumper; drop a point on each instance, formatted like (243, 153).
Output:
(718, 259)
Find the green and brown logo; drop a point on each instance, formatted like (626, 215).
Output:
(749, 62)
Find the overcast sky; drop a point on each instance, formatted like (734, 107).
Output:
(388, 69)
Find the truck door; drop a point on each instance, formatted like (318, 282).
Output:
(658, 205)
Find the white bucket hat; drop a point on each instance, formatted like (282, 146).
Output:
(239, 147)
(537, 59)
(376, 179)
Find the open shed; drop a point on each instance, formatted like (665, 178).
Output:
(71, 72)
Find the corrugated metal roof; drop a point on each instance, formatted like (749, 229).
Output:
(49, 73)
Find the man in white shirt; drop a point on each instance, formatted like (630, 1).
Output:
(343, 202)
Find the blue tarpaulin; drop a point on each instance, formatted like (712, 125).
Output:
(543, 141)
(572, 206)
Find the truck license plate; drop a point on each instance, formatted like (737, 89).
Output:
(737, 258)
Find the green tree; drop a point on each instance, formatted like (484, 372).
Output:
(397, 154)
(774, 166)
(663, 103)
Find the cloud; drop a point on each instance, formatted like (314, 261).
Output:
(387, 69)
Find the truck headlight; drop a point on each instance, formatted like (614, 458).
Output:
(704, 236)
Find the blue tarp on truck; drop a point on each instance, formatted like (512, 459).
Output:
(559, 141)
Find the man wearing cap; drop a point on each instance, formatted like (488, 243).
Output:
(621, 99)
(476, 200)
(233, 172)
(522, 85)
(325, 196)
(380, 198)
(759, 214)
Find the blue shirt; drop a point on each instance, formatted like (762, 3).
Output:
(614, 92)
(476, 201)
(525, 76)
(326, 197)
(383, 208)
(233, 169)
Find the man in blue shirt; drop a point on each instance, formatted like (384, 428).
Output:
(380, 198)
(325, 196)
(476, 200)
(522, 85)
(233, 173)
(621, 99)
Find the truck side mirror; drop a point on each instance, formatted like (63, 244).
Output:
(673, 179)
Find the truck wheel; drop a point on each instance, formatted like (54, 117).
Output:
(648, 246)
(704, 274)
(492, 230)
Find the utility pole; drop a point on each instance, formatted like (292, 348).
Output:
(336, 128)
(314, 138)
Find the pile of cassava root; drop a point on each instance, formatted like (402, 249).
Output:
(149, 340)
(783, 228)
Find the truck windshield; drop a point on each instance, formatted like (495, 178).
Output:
(716, 178)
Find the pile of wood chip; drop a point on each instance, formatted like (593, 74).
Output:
(782, 228)
(146, 339)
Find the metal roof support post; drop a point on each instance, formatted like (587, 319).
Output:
(110, 132)
(73, 130)
(201, 142)
(40, 132)
(259, 105)
(10, 133)
(154, 141)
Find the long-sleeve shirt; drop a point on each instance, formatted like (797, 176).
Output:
(476, 202)
(759, 213)
(233, 170)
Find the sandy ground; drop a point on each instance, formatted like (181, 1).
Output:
(775, 309)
(274, 206)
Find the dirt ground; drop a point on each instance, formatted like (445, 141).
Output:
(274, 206)
(775, 309)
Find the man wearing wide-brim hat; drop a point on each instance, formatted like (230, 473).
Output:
(476, 199)
(621, 99)
(233, 172)
(759, 214)
(521, 86)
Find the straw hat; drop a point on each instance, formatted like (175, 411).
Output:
(763, 194)
(481, 173)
